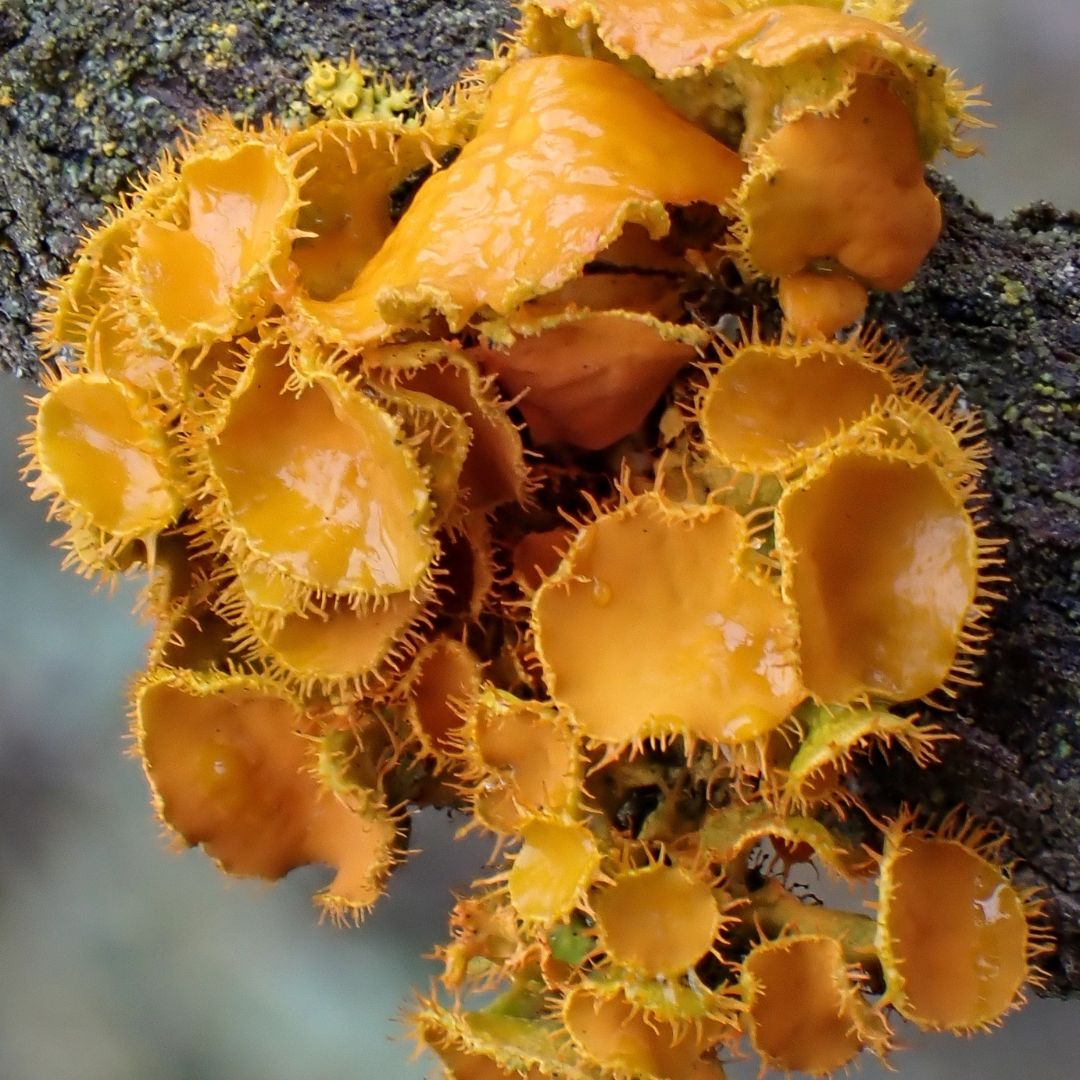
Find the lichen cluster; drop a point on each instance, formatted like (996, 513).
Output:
(449, 494)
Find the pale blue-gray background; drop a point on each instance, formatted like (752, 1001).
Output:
(120, 960)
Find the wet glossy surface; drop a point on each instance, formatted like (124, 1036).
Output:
(675, 35)
(104, 457)
(635, 924)
(335, 499)
(234, 773)
(884, 572)
(768, 405)
(653, 630)
(958, 933)
(801, 1016)
(552, 870)
(569, 150)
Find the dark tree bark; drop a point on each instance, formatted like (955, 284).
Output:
(89, 95)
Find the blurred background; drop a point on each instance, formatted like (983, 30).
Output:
(123, 960)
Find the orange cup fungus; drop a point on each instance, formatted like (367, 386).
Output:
(452, 493)
(956, 938)
(804, 1011)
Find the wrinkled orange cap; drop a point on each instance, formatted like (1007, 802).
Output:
(569, 151)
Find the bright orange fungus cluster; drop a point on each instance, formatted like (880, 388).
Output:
(449, 495)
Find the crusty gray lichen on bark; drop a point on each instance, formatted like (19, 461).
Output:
(88, 95)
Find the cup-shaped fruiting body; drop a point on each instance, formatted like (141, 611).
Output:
(183, 601)
(621, 1040)
(484, 940)
(103, 458)
(881, 557)
(336, 646)
(844, 191)
(589, 378)
(231, 768)
(729, 834)
(350, 170)
(117, 346)
(562, 138)
(767, 405)
(957, 940)
(208, 267)
(520, 758)
(804, 1011)
(537, 555)
(818, 303)
(441, 438)
(70, 303)
(652, 627)
(831, 738)
(335, 500)
(494, 471)
(657, 921)
(552, 870)
(440, 689)
(467, 565)
(493, 1044)
(741, 72)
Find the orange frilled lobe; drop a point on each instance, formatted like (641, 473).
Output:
(231, 765)
(676, 36)
(847, 189)
(569, 151)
